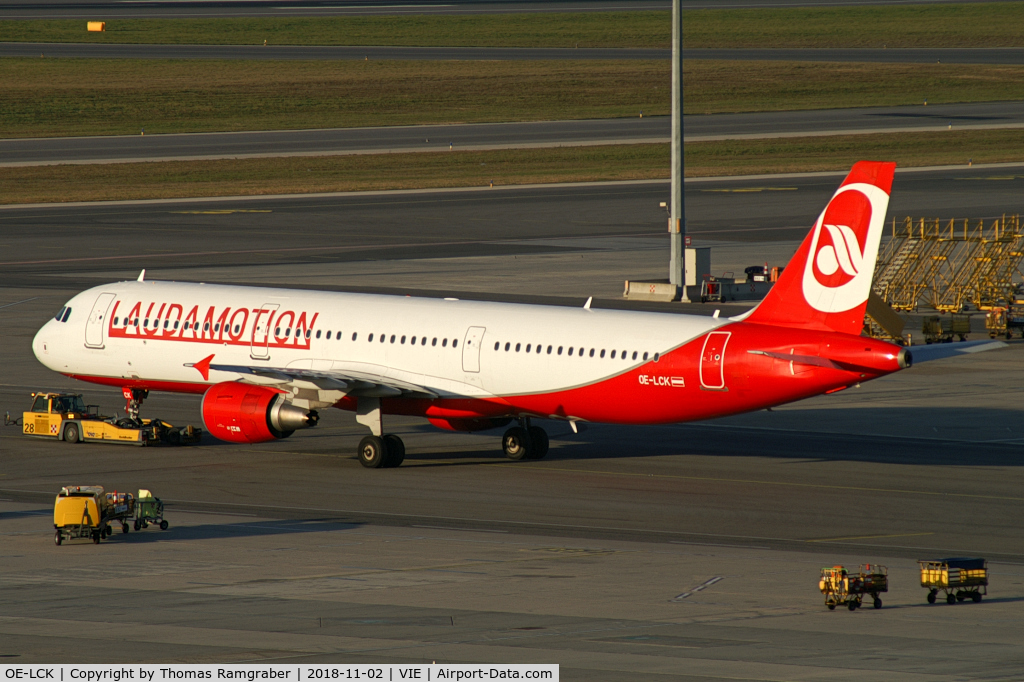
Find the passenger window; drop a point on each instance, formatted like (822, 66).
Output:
(602, 352)
(517, 347)
(318, 333)
(403, 340)
(383, 338)
(145, 323)
(277, 331)
(413, 341)
(559, 350)
(309, 333)
(434, 342)
(645, 356)
(496, 344)
(613, 355)
(423, 341)
(167, 323)
(354, 335)
(507, 346)
(528, 347)
(370, 338)
(455, 342)
(570, 350)
(392, 338)
(634, 355)
(444, 343)
(62, 310)
(591, 352)
(176, 322)
(549, 350)
(657, 356)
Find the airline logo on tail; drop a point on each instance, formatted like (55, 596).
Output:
(844, 245)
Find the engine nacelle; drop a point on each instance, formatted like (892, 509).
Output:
(243, 413)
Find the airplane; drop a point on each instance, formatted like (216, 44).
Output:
(266, 360)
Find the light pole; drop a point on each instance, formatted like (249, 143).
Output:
(677, 213)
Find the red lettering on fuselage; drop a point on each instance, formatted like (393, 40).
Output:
(226, 325)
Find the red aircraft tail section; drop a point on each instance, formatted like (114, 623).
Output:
(826, 284)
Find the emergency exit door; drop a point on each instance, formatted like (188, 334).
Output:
(712, 361)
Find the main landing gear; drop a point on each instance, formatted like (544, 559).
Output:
(378, 451)
(525, 441)
(134, 398)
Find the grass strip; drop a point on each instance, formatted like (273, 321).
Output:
(60, 97)
(987, 24)
(557, 29)
(983, 24)
(169, 179)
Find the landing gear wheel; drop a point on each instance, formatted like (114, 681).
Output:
(538, 443)
(976, 597)
(137, 525)
(124, 527)
(58, 538)
(877, 603)
(164, 525)
(515, 443)
(71, 433)
(831, 607)
(372, 452)
(950, 598)
(852, 605)
(931, 597)
(96, 537)
(395, 450)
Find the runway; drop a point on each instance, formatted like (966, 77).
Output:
(321, 53)
(980, 55)
(255, 144)
(592, 557)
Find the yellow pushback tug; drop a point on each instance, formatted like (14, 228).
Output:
(65, 416)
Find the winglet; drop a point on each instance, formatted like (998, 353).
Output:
(142, 276)
(586, 306)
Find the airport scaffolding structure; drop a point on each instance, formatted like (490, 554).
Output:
(949, 265)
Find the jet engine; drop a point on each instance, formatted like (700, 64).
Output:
(244, 413)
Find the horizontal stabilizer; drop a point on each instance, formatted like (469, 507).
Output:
(939, 351)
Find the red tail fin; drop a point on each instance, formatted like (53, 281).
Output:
(826, 284)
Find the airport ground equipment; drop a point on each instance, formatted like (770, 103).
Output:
(86, 511)
(843, 587)
(1004, 321)
(942, 329)
(960, 578)
(949, 265)
(149, 509)
(65, 416)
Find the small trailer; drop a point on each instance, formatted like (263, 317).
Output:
(843, 587)
(149, 509)
(1001, 321)
(940, 329)
(959, 577)
(86, 511)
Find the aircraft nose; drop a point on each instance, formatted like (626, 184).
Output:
(42, 344)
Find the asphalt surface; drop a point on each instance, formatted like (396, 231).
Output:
(127, 148)
(994, 55)
(592, 557)
(320, 53)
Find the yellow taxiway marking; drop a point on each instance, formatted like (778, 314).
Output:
(752, 189)
(224, 211)
(790, 484)
(870, 537)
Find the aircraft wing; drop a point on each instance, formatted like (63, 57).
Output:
(348, 381)
(938, 351)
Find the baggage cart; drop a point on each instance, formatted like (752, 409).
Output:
(149, 509)
(938, 329)
(843, 587)
(959, 577)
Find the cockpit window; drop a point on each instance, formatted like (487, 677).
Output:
(67, 314)
(60, 314)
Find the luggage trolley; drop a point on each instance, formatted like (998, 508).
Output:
(842, 587)
(149, 509)
(958, 577)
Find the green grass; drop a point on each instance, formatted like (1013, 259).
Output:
(996, 24)
(59, 97)
(568, 30)
(986, 24)
(502, 167)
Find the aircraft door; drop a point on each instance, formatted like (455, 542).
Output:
(712, 361)
(471, 349)
(97, 318)
(261, 327)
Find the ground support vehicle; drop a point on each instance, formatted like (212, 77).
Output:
(86, 511)
(1001, 321)
(842, 587)
(65, 416)
(958, 577)
(939, 329)
(149, 509)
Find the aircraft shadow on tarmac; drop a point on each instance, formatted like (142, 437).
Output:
(931, 437)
